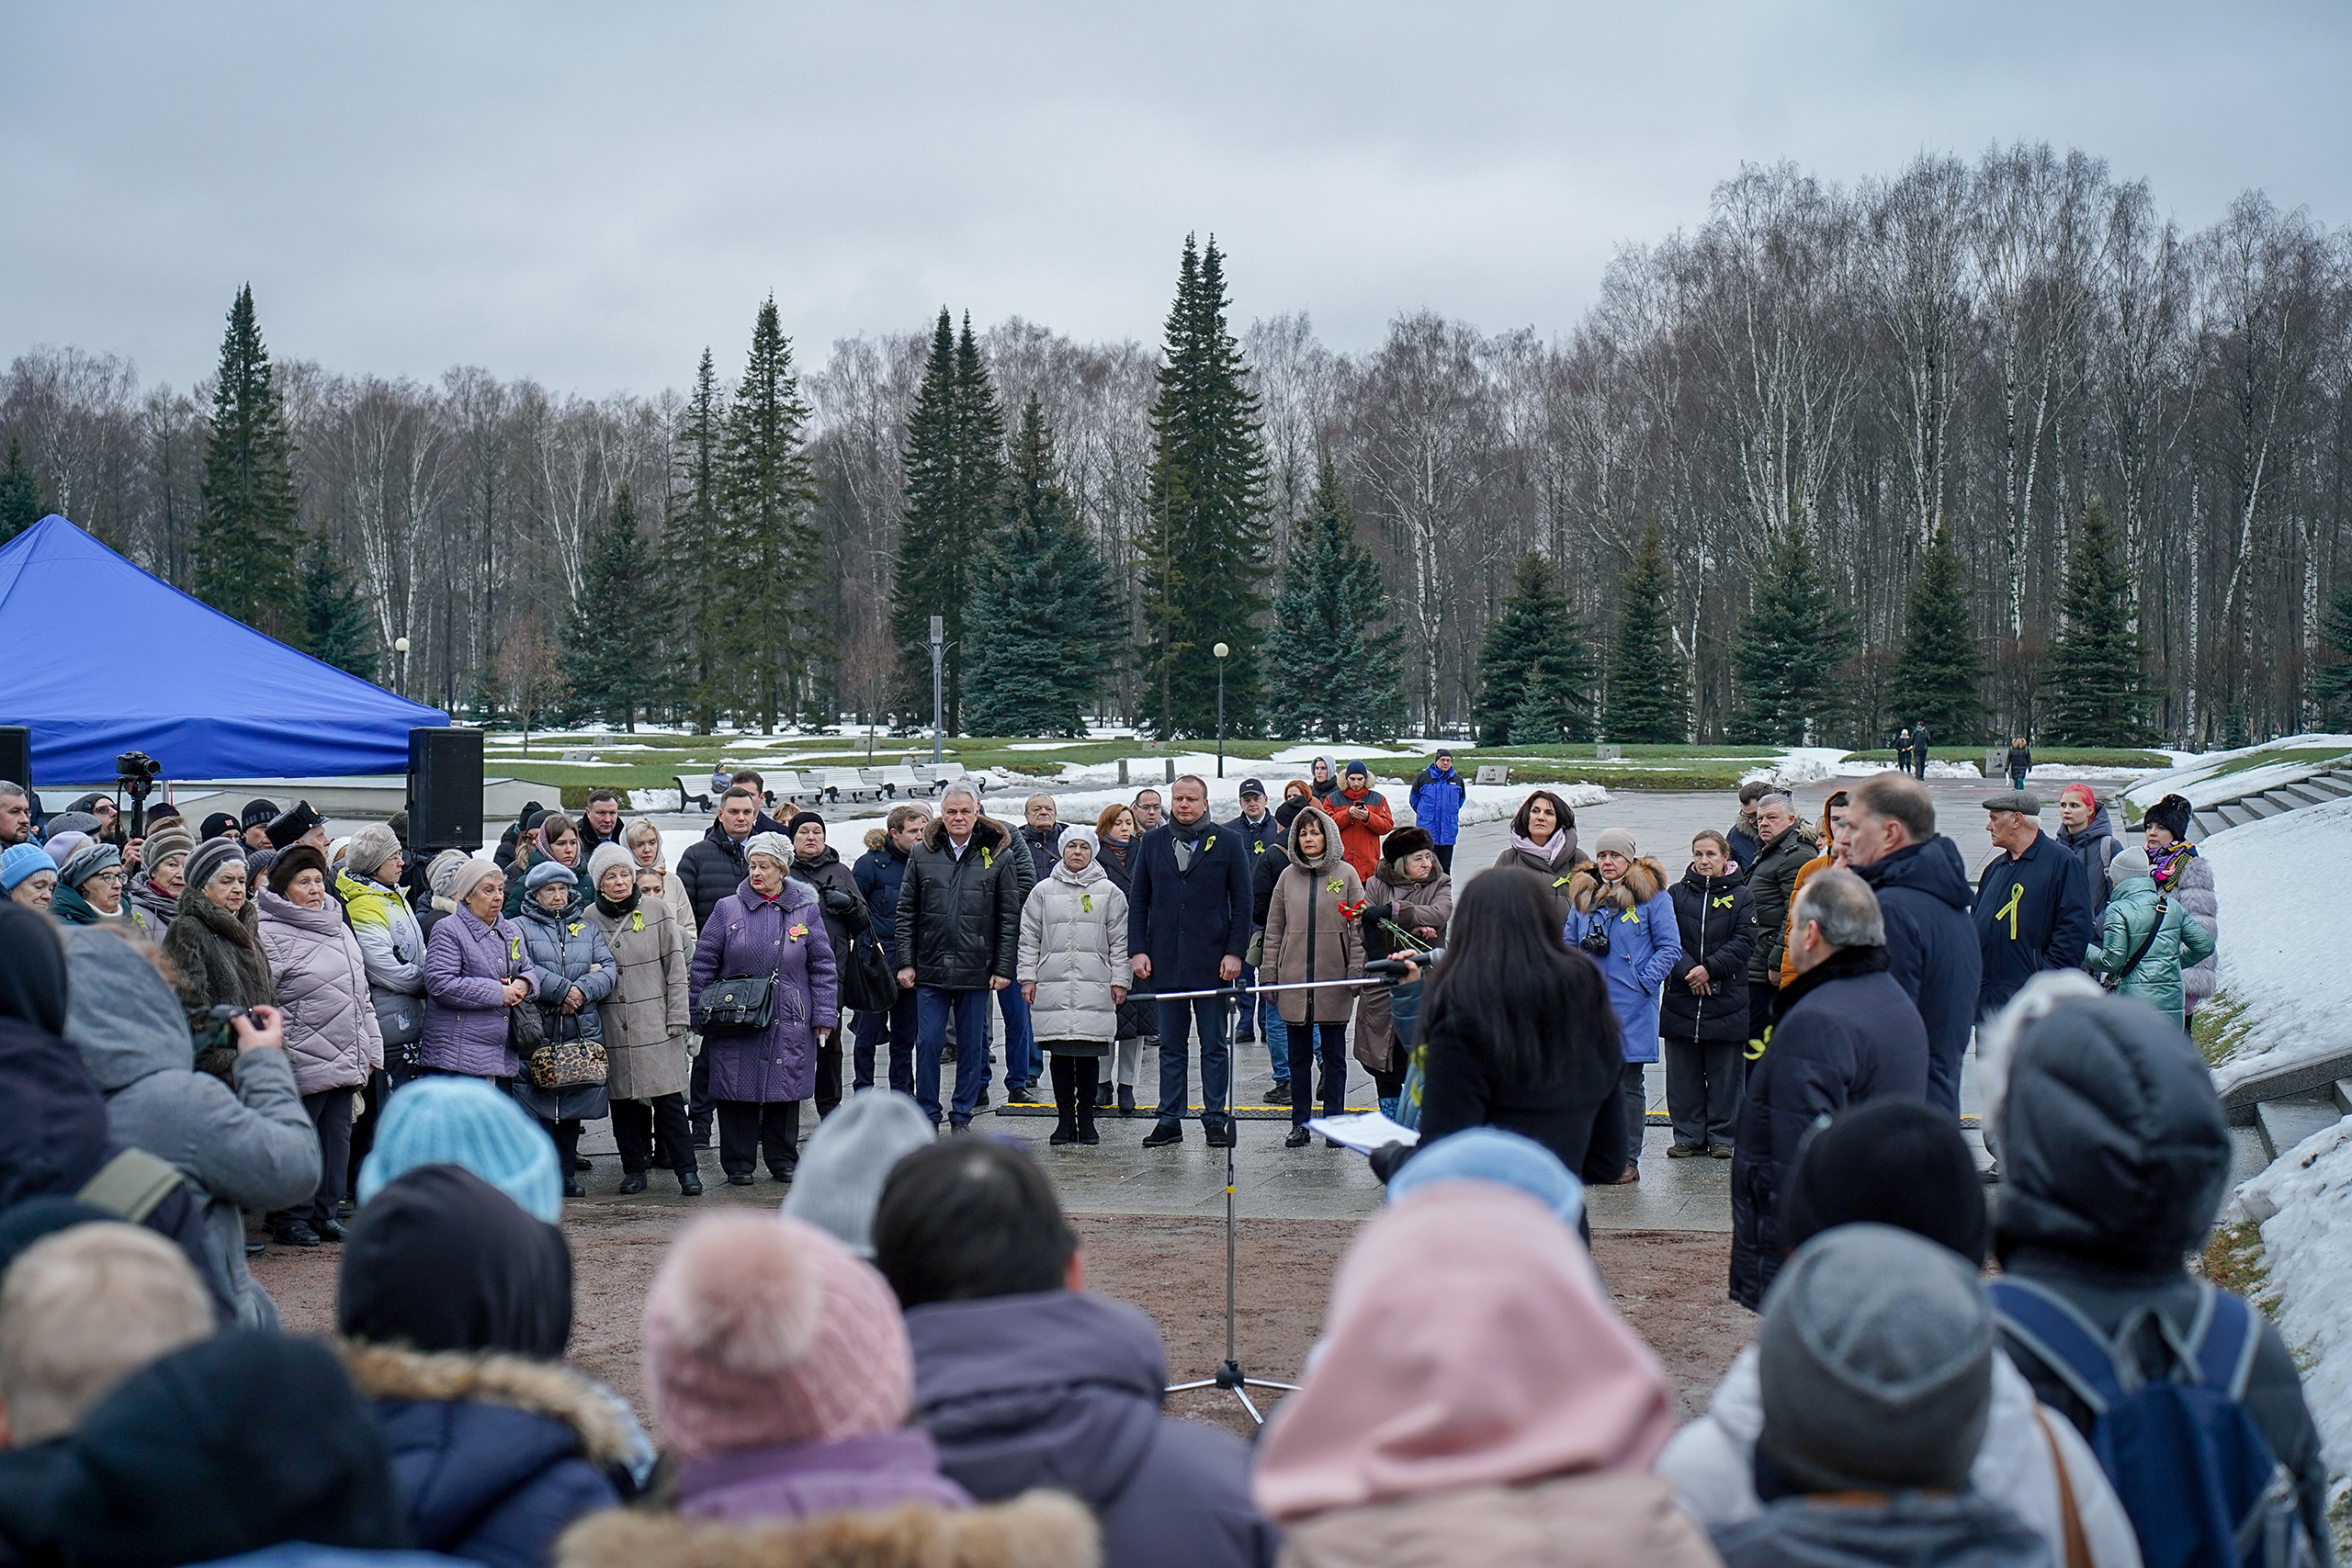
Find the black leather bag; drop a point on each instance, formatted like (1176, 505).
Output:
(867, 984)
(745, 1005)
(526, 1030)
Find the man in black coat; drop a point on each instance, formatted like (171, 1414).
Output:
(878, 873)
(1843, 1033)
(1702, 1012)
(1188, 925)
(713, 867)
(2114, 1157)
(1919, 748)
(2034, 904)
(1782, 852)
(958, 938)
(1924, 897)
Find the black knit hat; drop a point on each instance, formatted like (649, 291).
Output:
(2172, 814)
(292, 823)
(257, 814)
(218, 824)
(792, 829)
(1891, 1162)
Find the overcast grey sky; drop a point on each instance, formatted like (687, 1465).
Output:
(588, 194)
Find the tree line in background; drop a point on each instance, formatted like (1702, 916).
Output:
(1989, 445)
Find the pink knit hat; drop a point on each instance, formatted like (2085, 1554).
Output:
(762, 1331)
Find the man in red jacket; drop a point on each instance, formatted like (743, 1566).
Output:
(1364, 819)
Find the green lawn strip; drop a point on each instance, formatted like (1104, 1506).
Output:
(2309, 756)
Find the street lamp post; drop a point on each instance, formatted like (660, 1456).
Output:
(400, 678)
(938, 664)
(1220, 650)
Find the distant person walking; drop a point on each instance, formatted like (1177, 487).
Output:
(2019, 761)
(1919, 742)
(1437, 797)
(1188, 926)
(1903, 750)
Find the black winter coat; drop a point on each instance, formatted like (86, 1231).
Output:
(1931, 948)
(1263, 842)
(1716, 917)
(2095, 846)
(1579, 1115)
(1843, 1034)
(828, 873)
(959, 918)
(877, 872)
(1043, 849)
(712, 867)
(1186, 923)
(1772, 882)
(1064, 1389)
(2033, 913)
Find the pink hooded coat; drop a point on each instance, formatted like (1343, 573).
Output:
(1477, 1400)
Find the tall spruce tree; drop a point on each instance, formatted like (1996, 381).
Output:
(245, 541)
(2332, 684)
(1647, 699)
(1939, 673)
(2091, 690)
(20, 505)
(770, 544)
(694, 563)
(1534, 672)
(615, 645)
(1333, 672)
(1203, 546)
(1788, 650)
(956, 480)
(1041, 604)
(337, 628)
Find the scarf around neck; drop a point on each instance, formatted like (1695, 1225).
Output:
(1549, 851)
(614, 911)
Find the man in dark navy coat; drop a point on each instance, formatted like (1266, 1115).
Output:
(2033, 903)
(1925, 898)
(1188, 925)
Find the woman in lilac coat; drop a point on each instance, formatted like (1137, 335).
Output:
(769, 925)
(476, 967)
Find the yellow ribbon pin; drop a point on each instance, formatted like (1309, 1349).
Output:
(2009, 911)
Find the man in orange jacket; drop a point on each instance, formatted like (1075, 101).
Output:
(1364, 818)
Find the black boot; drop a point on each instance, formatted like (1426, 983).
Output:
(1126, 1100)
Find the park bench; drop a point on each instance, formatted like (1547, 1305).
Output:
(845, 784)
(694, 794)
(897, 780)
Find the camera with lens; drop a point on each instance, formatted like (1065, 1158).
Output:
(1595, 942)
(224, 1029)
(134, 767)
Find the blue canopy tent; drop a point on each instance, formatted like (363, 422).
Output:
(98, 657)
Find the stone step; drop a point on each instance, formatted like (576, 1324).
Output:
(2335, 786)
(2257, 807)
(2286, 1122)
(2231, 814)
(2298, 794)
(2342, 1092)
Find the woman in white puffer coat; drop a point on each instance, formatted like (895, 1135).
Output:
(1073, 969)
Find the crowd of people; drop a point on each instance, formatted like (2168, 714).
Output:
(905, 1365)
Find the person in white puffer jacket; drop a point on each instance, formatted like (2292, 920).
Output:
(1901, 1163)
(332, 1035)
(1073, 969)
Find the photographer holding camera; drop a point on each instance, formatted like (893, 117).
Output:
(820, 865)
(1622, 916)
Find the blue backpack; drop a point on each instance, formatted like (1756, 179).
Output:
(2201, 1486)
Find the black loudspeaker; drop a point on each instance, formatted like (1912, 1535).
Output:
(17, 754)
(443, 790)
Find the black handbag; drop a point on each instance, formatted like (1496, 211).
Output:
(745, 1005)
(867, 984)
(526, 1030)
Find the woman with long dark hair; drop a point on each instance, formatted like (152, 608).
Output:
(1544, 841)
(1517, 1030)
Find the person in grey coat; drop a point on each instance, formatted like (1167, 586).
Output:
(1875, 1358)
(1073, 969)
(247, 1144)
(576, 972)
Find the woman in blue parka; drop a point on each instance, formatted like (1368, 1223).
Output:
(576, 971)
(1622, 915)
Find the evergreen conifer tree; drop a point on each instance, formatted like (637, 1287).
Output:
(2091, 690)
(769, 543)
(694, 565)
(1534, 672)
(2332, 684)
(614, 646)
(1041, 604)
(956, 480)
(1203, 544)
(20, 505)
(1786, 656)
(1334, 672)
(245, 541)
(1938, 672)
(337, 628)
(1646, 693)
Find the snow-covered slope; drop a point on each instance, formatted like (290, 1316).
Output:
(2284, 905)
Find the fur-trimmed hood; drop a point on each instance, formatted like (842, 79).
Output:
(535, 1388)
(986, 834)
(1644, 879)
(1036, 1529)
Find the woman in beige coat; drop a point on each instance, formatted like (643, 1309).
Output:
(1418, 894)
(645, 1022)
(1312, 936)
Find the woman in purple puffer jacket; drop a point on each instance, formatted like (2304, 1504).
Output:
(768, 926)
(476, 967)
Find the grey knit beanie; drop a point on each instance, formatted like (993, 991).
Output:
(847, 1160)
(206, 861)
(1876, 1360)
(370, 848)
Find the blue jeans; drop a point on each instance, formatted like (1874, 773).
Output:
(1020, 1042)
(1270, 1028)
(971, 1049)
(1177, 1021)
(895, 1031)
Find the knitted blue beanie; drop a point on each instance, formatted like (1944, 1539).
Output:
(22, 861)
(1489, 1153)
(464, 1122)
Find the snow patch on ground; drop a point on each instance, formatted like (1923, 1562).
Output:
(2284, 910)
(1936, 769)
(2195, 767)
(2304, 1202)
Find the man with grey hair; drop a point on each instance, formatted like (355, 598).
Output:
(16, 815)
(958, 938)
(1841, 1035)
(80, 1311)
(1782, 853)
